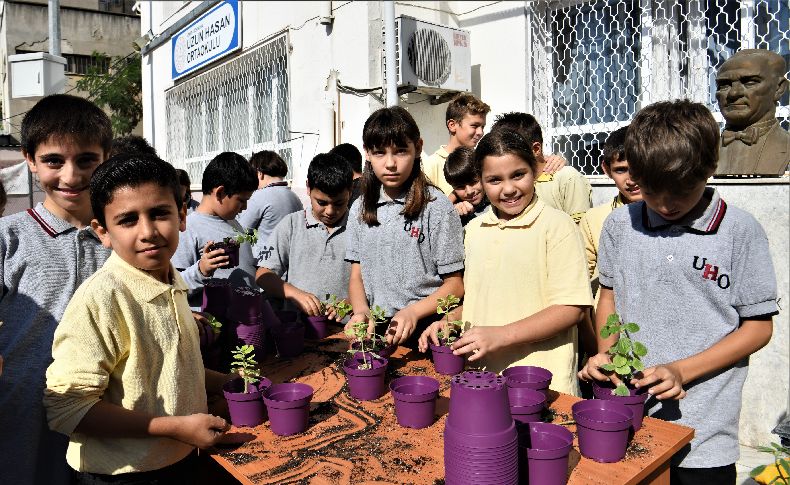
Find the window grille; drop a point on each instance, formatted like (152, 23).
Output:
(240, 106)
(595, 64)
(81, 64)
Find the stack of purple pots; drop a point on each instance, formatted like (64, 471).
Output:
(480, 439)
(251, 316)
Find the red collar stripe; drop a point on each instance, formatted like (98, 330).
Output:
(717, 216)
(44, 225)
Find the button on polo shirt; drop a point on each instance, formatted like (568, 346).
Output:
(402, 260)
(519, 267)
(305, 254)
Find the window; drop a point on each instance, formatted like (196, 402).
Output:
(80, 64)
(241, 105)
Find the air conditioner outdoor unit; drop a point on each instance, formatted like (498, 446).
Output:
(434, 59)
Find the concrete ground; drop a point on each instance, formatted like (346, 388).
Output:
(750, 458)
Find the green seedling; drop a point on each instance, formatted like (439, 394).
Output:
(452, 330)
(359, 332)
(245, 364)
(626, 353)
(215, 324)
(341, 306)
(781, 463)
(240, 237)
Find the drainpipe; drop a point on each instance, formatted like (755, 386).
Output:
(326, 17)
(54, 27)
(390, 69)
(151, 74)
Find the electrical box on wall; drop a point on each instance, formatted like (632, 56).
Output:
(433, 59)
(36, 74)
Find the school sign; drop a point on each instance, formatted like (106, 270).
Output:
(215, 34)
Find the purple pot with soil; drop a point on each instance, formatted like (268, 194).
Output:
(246, 408)
(444, 362)
(216, 298)
(543, 453)
(288, 339)
(289, 407)
(526, 405)
(602, 427)
(530, 377)
(635, 401)
(247, 306)
(231, 249)
(316, 328)
(415, 400)
(479, 403)
(365, 384)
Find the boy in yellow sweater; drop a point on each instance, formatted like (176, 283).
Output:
(127, 384)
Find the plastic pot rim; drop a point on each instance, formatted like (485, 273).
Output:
(305, 395)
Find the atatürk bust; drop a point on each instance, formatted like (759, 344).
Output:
(748, 86)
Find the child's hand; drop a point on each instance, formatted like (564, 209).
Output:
(201, 430)
(463, 208)
(402, 325)
(430, 335)
(356, 318)
(665, 381)
(480, 341)
(212, 260)
(307, 302)
(592, 369)
(554, 163)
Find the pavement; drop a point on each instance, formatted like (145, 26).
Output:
(750, 458)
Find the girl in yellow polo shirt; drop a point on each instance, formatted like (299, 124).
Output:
(525, 282)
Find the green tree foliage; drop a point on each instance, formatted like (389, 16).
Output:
(119, 91)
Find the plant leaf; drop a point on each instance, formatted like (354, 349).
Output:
(613, 319)
(631, 327)
(640, 349)
(608, 367)
(637, 365)
(623, 371)
(619, 361)
(756, 471)
(621, 390)
(625, 345)
(605, 332)
(764, 449)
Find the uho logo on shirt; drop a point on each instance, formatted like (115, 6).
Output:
(711, 272)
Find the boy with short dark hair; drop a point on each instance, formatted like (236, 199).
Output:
(272, 200)
(186, 190)
(127, 384)
(308, 248)
(461, 174)
(566, 189)
(131, 144)
(228, 183)
(354, 157)
(45, 253)
(465, 119)
(696, 275)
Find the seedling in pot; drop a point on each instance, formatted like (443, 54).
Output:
(359, 331)
(626, 354)
(339, 305)
(245, 364)
(240, 238)
(452, 330)
(215, 324)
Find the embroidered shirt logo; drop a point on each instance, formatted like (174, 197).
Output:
(415, 232)
(711, 272)
(267, 252)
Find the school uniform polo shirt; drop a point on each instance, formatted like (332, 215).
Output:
(305, 254)
(519, 267)
(434, 169)
(688, 284)
(567, 190)
(591, 224)
(43, 259)
(266, 208)
(403, 260)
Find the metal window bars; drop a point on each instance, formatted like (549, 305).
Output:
(241, 106)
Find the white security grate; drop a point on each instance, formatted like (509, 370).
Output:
(240, 106)
(596, 63)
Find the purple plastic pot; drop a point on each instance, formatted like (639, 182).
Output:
(231, 251)
(289, 407)
(415, 400)
(528, 376)
(635, 401)
(316, 327)
(444, 361)
(365, 384)
(526, 405)
(247, 305)
(603, 428)
(479, 403)
(481, 443)
(246, 408)
(216, 298)
(543, 453)
(289, 339)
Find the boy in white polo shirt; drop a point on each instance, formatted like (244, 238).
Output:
(697, 277)
(306, 258)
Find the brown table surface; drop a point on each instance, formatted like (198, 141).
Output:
(361, 442)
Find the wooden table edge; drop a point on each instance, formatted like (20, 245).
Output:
(665, 457)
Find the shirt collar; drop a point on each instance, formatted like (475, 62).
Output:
(54, 225)
(442, 151)
(618, 201)
(145, 285)
(525, 219)
(384, 198)
(704, 221)
(311, 221)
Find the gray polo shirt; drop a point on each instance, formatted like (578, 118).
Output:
(43, 259)
(266, 208)
(688, 284)
(402, 260)
(305, 254)
(202, 228)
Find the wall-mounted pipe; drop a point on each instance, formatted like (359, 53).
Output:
(390, 69)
